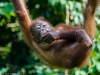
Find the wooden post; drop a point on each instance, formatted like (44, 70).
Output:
(67, 22)
(67, 14)
(66, 72)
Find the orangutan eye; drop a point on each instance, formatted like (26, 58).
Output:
(38, 27)
(44, 24)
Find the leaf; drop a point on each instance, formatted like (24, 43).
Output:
(53, 2)
(98, 66)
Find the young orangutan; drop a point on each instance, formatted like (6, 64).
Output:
(72, 42)
(64, 47)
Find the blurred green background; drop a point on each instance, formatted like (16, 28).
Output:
(16, 57)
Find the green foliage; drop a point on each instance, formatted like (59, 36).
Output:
(16, 57)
